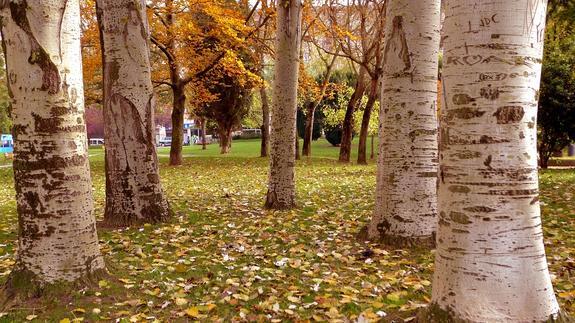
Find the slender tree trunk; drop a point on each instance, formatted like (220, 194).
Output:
(178, 114)
(308, 134)
(309, 125)
(265, 146)
(281, 187)
(133, 190)
(406, 196)
(203, 120)
(347, 128)
(57, 238)
(364, 132)
(490, 263)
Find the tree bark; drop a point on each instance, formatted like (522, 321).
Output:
(406, 195)
(178, 114)
(364, 132)
(308, 133)
(347, 127)
(490, 263)
(281, 186)
(133, 190)
(225, 139)
(203, 121)
(265, 145)
(57, 240)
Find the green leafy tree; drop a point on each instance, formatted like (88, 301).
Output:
(556, 116)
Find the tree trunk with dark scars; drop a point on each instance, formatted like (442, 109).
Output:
(406, 195)
(347, 127)
(265, 128)
(490, 263)
(364, 132)
(281, 185)
(57, 239)
(133, 190)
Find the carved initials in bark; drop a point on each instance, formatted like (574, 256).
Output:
(396, 50)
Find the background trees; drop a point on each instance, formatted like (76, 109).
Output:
(556, 113)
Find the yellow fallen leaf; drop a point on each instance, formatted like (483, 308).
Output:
(193, 311)
(65, 320)
(31, 317)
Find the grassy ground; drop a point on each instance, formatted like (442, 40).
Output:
(223, 257)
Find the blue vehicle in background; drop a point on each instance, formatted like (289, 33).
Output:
(6, 144)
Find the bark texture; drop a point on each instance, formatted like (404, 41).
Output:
(490, 263)
(57, 239)
(281, 186)
(133, 190)
(406, 200)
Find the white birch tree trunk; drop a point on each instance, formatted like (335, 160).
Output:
(281, 186)
(406, 200)
(133, 190)
(57, 230)
(490, 264)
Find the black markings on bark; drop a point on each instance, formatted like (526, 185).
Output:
(464, 113)
(509, 114)
(459, 217)
(461, 99)
(38, 55)
(489, 93)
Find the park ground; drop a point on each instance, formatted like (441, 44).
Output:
(224, 257)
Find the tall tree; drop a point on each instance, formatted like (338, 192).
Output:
(194, 37)
(406, 200)
(57, 238)
(281, 186)
(133, 190)
(357, 26)
(490, 263)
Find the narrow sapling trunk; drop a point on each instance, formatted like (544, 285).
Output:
(490, 263)
(133, 190)
(203, 121)
(57, 240)
(406, 195)
(281, 186)
(347, 127)
(364, 132)
(308, 132)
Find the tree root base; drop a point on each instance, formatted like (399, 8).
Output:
(23, 286)
(397, 241)
(272, 203)
(435, 314)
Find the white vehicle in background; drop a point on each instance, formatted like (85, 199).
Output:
(96, 141)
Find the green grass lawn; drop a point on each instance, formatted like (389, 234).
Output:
(224, 257)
